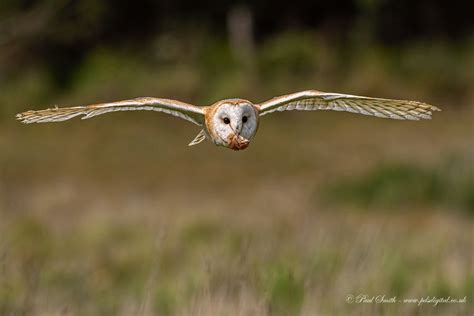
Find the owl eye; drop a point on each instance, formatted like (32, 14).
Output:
(244, 119)
(226, 120)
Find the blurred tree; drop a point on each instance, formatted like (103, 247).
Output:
(240, 25)
(59, 33)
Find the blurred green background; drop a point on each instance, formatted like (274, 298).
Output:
(117, 216)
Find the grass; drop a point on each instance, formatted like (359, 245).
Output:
(310, 269)
(116, 215)
(398, 186)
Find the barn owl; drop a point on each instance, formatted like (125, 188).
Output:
(232, 123)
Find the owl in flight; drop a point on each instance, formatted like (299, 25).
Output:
(232, 123)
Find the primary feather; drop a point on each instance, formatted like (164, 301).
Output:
(314, 100)
(179, 109)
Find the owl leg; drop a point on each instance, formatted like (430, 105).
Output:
(199, 138)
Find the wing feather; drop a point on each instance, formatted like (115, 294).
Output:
(179, 109)
(315, 100)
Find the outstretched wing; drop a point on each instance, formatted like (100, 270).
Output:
(315, 100)
(182, 110)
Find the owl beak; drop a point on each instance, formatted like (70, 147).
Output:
(238, 142)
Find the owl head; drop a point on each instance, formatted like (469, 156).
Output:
(232, 123)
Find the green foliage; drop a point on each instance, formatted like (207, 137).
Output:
(284, 290)
(326, 264)
(398, 186)
(389, 185)
(201, 233)
(32, 243)
(195, 66)
(32, 88)
(468, 287)
(291, 54)
(400, 280)
(165, 301)
(441, 288)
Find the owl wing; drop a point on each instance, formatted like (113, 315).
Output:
(316, 100)
(182, 110)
